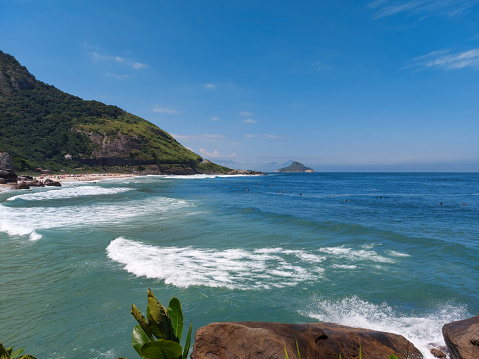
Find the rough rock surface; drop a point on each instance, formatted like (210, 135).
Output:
(317, 340)
(244, 172)
(6, 168)
(462, 338)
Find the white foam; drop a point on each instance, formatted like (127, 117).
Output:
(69, 192)
(357, 255)
(420, 330)
(230, 268)
(26, 221)
(398, 254)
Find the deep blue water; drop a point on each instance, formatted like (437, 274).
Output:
(375, 250)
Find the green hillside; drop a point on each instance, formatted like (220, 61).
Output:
(41, 126)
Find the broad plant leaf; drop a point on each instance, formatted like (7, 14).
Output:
(139, 338)
(16, 353)
(3, 352)
(159, 315)
(188, 342)
(27, 356)
(393, 357)
(141, 320)
(161, 349)
(176, 317)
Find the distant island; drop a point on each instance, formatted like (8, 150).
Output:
(296, 167)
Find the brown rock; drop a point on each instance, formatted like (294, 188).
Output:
(21, 185)
(438, 353)
(53, 183)
(259, 340)
(35, 183)
(6, 168)
(462, 338)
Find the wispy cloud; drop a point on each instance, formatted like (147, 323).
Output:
(250, 120)
(215, 154)
(200, 137)
(320, 66)
(269, 136)
(245, 113)
(215, 118)
(96, 57)
(210, 86)
(168, 111)
(384, 8)
(446, 60)
(117, 76)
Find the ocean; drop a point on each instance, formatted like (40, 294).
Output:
(397, 252)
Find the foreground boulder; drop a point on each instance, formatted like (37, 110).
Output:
(317, 340)
(462, 338)
(6, 168)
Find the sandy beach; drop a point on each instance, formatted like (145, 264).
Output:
(74, 178)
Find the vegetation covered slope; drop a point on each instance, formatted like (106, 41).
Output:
(41, 126)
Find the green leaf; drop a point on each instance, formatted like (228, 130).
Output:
(188, 342)
(16, 353)
(161, 349)
(141, 320)
(159, 315)
(393, 357)
(360, 353)
(139, 338)
(297, 348)
(176, 317)
(286, 353)
(3, 352)
(27, 356)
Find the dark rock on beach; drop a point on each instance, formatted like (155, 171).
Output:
(35, 183)
(462, 338)
(49, 182)
(317, 340)
(21, 185)
(244, 172)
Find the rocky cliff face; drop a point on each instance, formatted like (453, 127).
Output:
(7, 173)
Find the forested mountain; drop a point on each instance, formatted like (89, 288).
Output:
(41, 126)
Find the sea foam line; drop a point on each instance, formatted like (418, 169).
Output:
(69, 192)
(261, 268)
(26, 221)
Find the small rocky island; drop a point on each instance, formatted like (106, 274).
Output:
(296, 167)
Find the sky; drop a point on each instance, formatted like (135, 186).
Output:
(344, 85)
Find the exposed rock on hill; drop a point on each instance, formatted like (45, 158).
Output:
(41, 126)
(296, 167)
(259, 340)
(7, 173)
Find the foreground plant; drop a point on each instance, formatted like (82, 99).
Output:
(13, 354)
(164, 324)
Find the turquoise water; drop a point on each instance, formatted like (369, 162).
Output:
(283, 247)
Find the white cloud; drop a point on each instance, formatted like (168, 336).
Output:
(245, 113)
(215, 154)
(117, 76)
(275, 137)
(214, 118)
(210, 86)
(384, 8)
(250, 120)
(250, 135)
(447, 60)
(118, 59)
(322, 67)
(168, 111)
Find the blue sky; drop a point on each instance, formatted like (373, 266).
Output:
(346, 85)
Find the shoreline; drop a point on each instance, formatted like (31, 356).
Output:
(94, 177)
